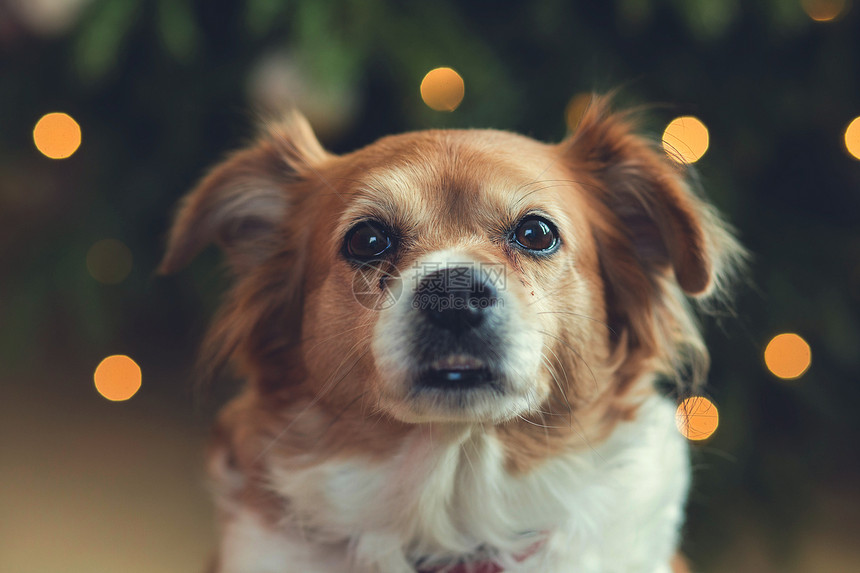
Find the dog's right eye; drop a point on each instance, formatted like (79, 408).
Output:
(367, 240)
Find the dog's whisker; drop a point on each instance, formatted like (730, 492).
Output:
(361, 326)
(561, 365)
(580, 315)
(575, 352)
(551, 371)
(544, 426)
(580, 431)
(554, 183)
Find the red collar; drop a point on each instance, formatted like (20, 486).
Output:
(483, 566)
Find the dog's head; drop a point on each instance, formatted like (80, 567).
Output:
(455, 275)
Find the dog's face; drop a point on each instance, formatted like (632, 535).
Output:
(453, 275)
(440, 268)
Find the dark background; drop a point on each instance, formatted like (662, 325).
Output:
(162, 89)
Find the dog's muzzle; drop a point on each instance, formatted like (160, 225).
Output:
(459, 311)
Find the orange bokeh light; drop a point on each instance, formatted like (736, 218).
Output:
(697, 418)
(57, 135)
(686, 139)
(117, 378)
(823, 10)
(852, 138)
(442, 89)
(787, 356)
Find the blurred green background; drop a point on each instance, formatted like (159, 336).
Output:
(163, 88)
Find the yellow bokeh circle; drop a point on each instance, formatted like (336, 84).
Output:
(852, 138)
(823, 10)
(787, 356)
(117, 378)
(57, 135)
(686, 139)
(442, 89)
(697, 418)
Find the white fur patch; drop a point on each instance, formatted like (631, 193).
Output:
(614, 508)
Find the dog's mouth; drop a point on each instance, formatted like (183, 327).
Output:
(460, 385)
(456, 372)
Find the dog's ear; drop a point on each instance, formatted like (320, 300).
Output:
(657, 241)
(242, 204)
(640, 191)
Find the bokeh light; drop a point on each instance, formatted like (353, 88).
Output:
(442, 89)
(117, 378)
(109, 261)
(697, 418)
(57, 135)
(575, 109)
(852, 138)
(824, 10)
(787, 356)
(686, 139)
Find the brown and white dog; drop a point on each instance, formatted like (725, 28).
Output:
(450, 341)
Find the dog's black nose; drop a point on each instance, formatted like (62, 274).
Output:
(456, 298)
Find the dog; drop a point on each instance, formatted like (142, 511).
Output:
(450, 341)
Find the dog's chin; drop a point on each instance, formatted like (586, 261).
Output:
(459, 389)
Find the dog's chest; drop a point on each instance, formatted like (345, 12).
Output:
(447, 496)
(438, 491)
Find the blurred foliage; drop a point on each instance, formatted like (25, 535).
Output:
(161, 90)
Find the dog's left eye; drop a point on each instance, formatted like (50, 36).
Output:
(367, 240)
(535, 234)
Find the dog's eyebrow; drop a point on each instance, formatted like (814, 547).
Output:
(365, 206)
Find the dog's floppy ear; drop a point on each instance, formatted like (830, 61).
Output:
(642, 192)
(657, 241)
(241, 205)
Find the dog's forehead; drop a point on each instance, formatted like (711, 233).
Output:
(449, 176)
